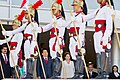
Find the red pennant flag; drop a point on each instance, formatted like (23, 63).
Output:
(37, 4)
(59, 1)
(23, 3)
(20, 17)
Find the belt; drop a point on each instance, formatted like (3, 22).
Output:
(13, 45)
(100, 25)
(72, 34)
(72, 31)
(53, 34)
(28, 36)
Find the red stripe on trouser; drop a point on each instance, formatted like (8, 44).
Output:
(76, 48)
(20, 64)
(53, 47)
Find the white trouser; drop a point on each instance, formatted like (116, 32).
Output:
(72, 47)
(29, 48)
(57, 47)
(13, 58)
(97, 40)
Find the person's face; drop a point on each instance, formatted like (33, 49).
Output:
(4, 50)
(45, 53)
(99, 1)
(75, 5)
(55, 12)
(28, 17)
(115, 69)
(90, 67)
(67, 57)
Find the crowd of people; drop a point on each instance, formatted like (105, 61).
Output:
(25, 61)
(67, 71)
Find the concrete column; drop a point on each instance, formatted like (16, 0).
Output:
(115, 53)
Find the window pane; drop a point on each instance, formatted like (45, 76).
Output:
(19, 2)
(16, 2)
(90, 5)
(117, 4)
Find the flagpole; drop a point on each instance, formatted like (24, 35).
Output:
(57, 37)
(10, 50)
(2, 69)
(78, 40)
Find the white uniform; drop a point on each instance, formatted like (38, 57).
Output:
(103, 29)
(80, 21)
(15, 47)
(29, 36)
(68, 70)
(53, 42)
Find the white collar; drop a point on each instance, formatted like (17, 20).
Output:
(3, 54)
(45, 57)
(116, 74)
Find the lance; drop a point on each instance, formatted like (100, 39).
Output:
(10, 51)
(2, 69)
(78, 40)
(57, 37)
(37, 46)
(114, 23)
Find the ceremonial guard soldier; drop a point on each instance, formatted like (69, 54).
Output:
(30, 35)
(102, 35)
(79, 22)
(56, 44)
(15, 45)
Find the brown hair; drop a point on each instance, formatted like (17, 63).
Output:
(68, 53)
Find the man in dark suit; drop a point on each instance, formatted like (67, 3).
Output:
(5, 63)
(91, 73)
(47, 63)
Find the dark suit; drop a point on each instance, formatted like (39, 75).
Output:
(112, 76)
(6, 67)
(47, 67)
(94, 74)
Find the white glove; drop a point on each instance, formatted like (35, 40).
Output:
(109, 46)
(82, 50)
(73, 19)
(107, 54)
